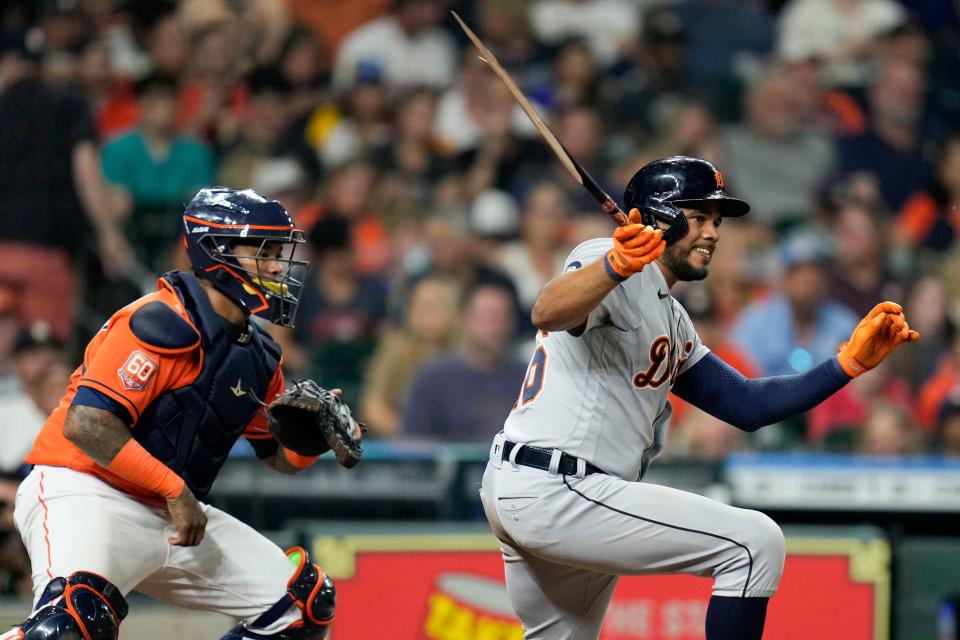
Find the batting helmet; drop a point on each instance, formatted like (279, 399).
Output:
(216, 221)
(660, 188)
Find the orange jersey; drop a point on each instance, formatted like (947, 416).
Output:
(122, 367)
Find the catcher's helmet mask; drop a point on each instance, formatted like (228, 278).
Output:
(219, 219)
(660, 188)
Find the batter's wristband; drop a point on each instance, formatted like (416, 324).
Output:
(616, 277)
(134, 464)
(297, 460)
(850, 365)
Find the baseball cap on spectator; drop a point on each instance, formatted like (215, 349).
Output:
(495, 214)
(368, 72)
(663, 26)
(27, 42)
(804, 247)
(39, 335)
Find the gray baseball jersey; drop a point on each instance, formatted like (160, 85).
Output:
(602, 396)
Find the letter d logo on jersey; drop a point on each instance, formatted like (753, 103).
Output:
(137, 372)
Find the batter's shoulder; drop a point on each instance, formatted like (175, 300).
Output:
(159, 323)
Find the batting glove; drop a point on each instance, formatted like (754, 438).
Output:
(635, 245)
(874, 338)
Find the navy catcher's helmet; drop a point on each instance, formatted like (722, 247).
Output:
(660, 188)
(216, 221)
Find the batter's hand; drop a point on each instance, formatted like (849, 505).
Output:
(635, 245)
(874, 338)
(188, 517)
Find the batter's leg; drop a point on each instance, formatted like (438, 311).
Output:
(555, 601)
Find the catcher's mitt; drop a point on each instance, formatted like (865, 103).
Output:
(310, 420)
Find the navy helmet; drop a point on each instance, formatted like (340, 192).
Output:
(661, 187)
(216, 221)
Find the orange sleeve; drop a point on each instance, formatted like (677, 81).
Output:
(257, 429)
(133, 373)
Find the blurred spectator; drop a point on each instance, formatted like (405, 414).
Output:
(859, 276)
(406, 45)
(429, 329)
(947, 440)
(411, 158)
(646, 89)
(349, 194)
(891, 148)
(211, 96)
(50, 180)
(725, 39)
(842, 32)
(264, 25)
(464, 111)
(505, 28)
(41, 376)
(798, 326)
(306, 69)
(833, 422)
(771, 160)
(606, 26)
(537, 257)
(329, 20)
(340, 314)
(266, 132)
(575, 79)
(931, 217)
(888, 431)
(818, 107)
(110, 97)
(168, 47)
(501, 159)
(157, 171)
(700, 436)
(468, 394)
(940, 386)
(344, 133)
(927, 307)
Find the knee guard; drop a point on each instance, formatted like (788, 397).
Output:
(83, 606)
(311, 590)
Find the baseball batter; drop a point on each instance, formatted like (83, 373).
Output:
(563, 490)
(167, 386)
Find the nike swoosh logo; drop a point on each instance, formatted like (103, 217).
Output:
(237, 390)
(660, 294)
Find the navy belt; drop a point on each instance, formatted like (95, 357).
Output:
(540, 459)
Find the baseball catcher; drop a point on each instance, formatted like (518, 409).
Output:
(121, 469)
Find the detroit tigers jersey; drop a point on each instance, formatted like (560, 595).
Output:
(603, 396)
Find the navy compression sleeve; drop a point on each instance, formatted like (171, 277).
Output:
(748, 404)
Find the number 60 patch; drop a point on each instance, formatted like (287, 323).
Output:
(137, 372)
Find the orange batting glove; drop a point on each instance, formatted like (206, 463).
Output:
(874, 338)
(635, 245)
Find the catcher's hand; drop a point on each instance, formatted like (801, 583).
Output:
(310, 420)
(874, 338)
(635, 245)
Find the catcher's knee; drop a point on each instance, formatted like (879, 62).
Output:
(82, 606)
(311, 591)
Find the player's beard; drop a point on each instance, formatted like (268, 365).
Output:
(678, 262)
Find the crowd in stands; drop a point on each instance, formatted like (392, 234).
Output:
(435, 213)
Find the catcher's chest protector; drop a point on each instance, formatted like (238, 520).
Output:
(193, 428)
